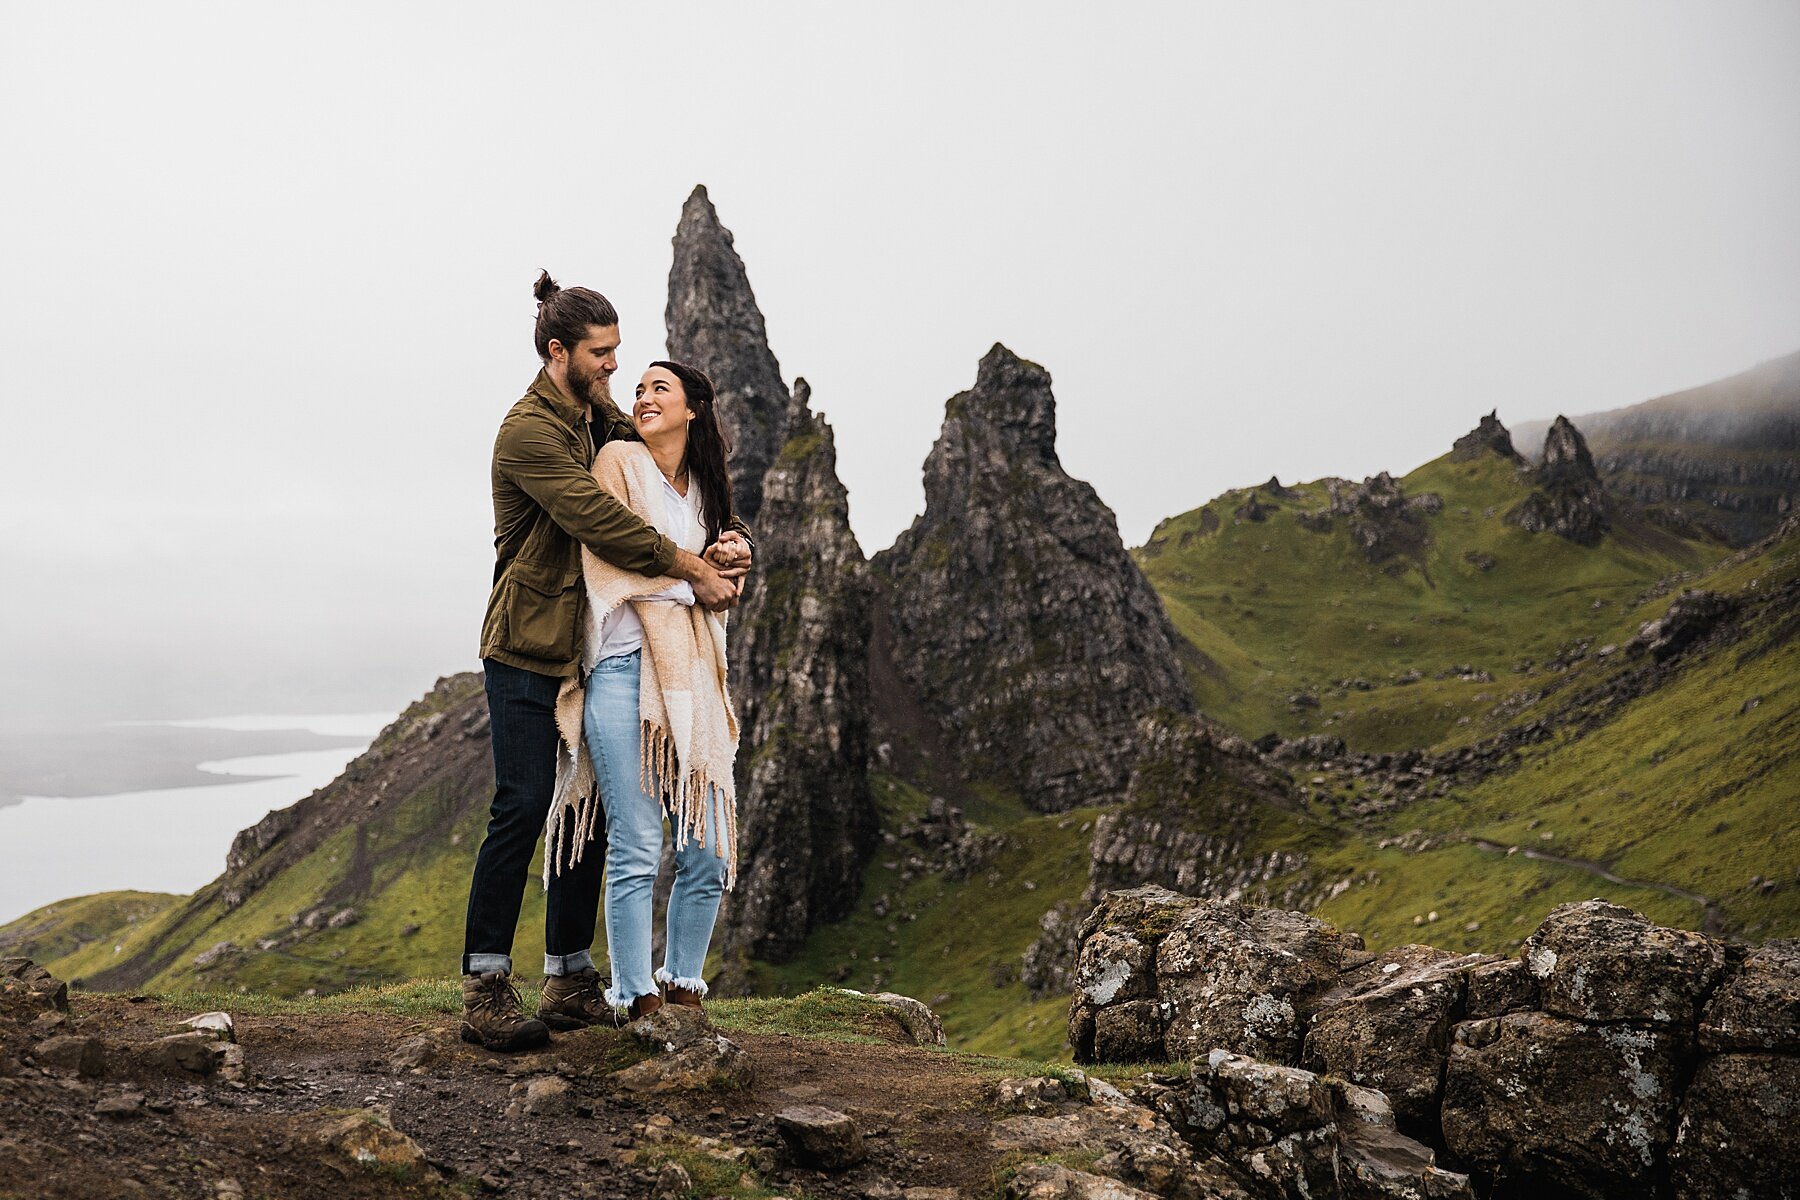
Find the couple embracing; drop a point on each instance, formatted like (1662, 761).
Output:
(618, 556)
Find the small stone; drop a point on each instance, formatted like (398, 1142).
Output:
(821, 1137)
(194, 1053)
(672, 1182)
(120, 1105)
(549, 1096)
(414, 1054)
(218, 1025)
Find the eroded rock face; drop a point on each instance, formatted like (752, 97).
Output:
(1568, 498)
(1162, 976)
(1029, 637)
(714, 324)
(799, 657)
(1739, 1133)
(1691, 616)
(1386, 1025)
(1568, 1104)
(1758, 1008)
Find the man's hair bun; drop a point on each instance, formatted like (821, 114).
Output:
(545, 287)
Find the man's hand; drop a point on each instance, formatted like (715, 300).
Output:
(731, 554)
(713, 589)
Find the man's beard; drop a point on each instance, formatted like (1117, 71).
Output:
(594, 390)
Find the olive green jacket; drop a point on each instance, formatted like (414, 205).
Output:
(546, 506)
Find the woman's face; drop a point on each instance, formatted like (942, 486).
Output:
(661, 405)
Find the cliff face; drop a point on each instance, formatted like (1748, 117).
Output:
(799, 648)
(1727, 452)
(714, 324)
(1019, 622)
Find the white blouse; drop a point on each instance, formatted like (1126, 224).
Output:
(621, 632)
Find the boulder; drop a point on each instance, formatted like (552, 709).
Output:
(820, 1137)
(196, 1053)
(1584, 1107)
(1740, 1129)
(1237, 976)
(915, 1017)
(27, 990)
(1596, 961)
(71, 1054)
(1758, 1006)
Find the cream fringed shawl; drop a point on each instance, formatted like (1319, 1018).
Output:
(689, 733)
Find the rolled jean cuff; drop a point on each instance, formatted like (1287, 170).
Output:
(484, 964)
(567, 964)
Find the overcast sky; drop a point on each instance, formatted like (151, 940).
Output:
(266, 269)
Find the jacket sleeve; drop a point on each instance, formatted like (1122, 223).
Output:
(534, 453)
(737, 525)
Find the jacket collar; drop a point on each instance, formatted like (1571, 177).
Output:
(545, 389)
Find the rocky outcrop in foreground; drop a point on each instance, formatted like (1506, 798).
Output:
(1613, 1057)
(1019, 622)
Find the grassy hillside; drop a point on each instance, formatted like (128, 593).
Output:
(57, 931)
(1277, 610)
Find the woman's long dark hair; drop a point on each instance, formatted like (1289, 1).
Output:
(707, 447)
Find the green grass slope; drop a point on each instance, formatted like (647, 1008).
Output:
(1275, 609)
(103, 920)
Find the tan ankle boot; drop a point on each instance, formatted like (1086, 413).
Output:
(644, 1005)
(494, 1019)
(686, 997)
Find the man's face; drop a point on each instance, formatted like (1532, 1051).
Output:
(590, 364)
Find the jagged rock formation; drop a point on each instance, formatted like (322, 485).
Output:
(1488, 437)
(1727, 452)
(1019, 622)
(1612, 1057)
(1568, 498)
(714, 324)
(1384, 523)
(799, 650)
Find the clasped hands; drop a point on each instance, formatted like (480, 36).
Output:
(730, 557)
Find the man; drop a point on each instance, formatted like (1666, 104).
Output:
(546, 507)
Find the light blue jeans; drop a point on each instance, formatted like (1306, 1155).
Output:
(634, 832)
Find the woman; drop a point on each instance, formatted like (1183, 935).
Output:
(654, 728)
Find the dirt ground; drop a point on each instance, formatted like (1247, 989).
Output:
(922, 1113)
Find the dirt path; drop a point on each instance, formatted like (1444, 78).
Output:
(922, 1112)
(1711, 920)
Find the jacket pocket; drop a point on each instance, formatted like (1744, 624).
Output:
(540, 610)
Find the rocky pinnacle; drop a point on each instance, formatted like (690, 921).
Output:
(714, 324)
(799, 670)
(1568, 498)
(1019, 622)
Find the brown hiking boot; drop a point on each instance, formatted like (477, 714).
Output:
(686, 997)
(575, 1001)
(493, 1017)
(644, 1005)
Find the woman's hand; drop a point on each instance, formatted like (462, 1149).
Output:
(731, 554)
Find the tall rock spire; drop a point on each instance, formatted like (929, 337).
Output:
(799, 658)
(714, 324)
(1019, 622)
(1568, 498)
(1488, 437)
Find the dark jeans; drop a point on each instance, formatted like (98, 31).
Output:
(522, 717)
